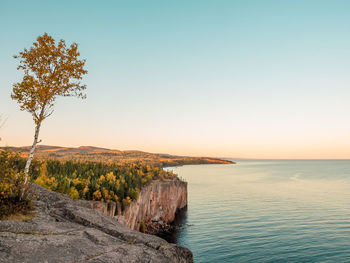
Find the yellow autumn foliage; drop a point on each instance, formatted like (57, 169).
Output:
(97, 195)
(49, 183)
(74, 193)
(13, 193)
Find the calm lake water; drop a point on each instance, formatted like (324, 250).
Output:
(267, 211)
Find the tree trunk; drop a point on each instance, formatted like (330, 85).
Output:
(31, 153)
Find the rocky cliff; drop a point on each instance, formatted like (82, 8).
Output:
(155, 207)
(66, 230)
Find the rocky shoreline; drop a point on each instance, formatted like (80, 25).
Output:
(66, 230)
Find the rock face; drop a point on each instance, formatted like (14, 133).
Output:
(157, 204)
(66, 230)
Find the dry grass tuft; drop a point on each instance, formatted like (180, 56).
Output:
(22, 217)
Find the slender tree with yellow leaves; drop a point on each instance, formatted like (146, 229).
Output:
(50, 70)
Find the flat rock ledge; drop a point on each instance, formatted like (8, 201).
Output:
(66, 230)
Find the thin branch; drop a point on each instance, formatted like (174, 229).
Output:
(49, 114)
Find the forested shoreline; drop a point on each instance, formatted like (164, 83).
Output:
(87, 173)
(99, 181)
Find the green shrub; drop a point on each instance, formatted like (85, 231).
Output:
(142, 227)
(13, 191)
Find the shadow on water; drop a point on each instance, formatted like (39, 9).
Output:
(178, 225)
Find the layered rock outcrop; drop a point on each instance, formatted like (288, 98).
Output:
(66, 230)
(157, 204)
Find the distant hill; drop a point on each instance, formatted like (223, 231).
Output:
(91, 153)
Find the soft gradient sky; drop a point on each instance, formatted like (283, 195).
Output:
(259, 79)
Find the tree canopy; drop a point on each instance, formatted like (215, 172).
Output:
(50, 70)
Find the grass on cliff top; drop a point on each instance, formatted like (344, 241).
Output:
(20, 216)
(16, 210)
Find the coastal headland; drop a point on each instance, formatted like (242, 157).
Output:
(67, 230)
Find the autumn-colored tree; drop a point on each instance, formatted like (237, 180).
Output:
(50, 70)
(106, 182)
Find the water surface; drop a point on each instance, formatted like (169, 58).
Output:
(267, 211)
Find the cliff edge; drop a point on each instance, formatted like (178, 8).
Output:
(66, 230)
(155, 207)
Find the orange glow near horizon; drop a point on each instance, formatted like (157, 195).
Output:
(188, 86)
(224, 148)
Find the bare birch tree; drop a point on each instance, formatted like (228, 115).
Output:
(50, 70)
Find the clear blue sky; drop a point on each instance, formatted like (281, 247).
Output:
(263, 79)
